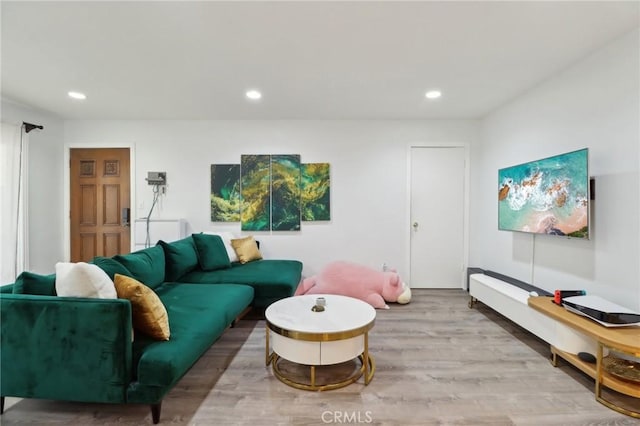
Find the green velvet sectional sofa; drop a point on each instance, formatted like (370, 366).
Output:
(84, 349)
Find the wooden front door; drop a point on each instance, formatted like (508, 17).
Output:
(100, 202)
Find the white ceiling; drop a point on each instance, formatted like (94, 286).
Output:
(311, 60)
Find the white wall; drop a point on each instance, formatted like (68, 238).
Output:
(368, 176)
(44, 185)
(594, 104)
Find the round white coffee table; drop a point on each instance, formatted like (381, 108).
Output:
(298, 333)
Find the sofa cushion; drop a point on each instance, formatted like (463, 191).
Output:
(271, 279)
(83, 280)
(247, 249)
(226, 239)
(180, 257)
(231, 299)
(30, 283)
(212, 253)
(111, 266)
(146, 265)
(147, 311)
(199, 315)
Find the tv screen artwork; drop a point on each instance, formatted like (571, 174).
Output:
(548, 196)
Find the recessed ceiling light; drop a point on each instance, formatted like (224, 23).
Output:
(254, 95)
(77, 95)
(433, 94)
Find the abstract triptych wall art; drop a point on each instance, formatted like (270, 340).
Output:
(225, 192)
(255, 181)
(285, 192)
(315, 201)
(270, 192)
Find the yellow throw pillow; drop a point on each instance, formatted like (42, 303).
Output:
(246, 249)
(149, 314)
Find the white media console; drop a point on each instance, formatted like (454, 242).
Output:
(511, 301)
(567, 334)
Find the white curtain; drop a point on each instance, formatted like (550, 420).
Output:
(13, 206)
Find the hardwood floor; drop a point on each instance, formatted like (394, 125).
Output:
(437, 363)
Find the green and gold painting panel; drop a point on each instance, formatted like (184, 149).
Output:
(255, 214)
(285, 192)
(225, 192)
(315, 194)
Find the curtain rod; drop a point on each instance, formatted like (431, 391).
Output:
(29, 127)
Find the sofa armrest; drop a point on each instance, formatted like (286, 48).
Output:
(65, 348)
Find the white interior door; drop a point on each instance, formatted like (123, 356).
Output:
(437, 217)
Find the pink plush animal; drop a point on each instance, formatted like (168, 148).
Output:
(350, 279)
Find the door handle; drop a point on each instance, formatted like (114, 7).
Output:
(126, 215)
(415, 226)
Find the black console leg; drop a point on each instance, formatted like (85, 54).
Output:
(1, 404)
(155, 412)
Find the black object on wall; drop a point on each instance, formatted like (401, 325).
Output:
(29, 127)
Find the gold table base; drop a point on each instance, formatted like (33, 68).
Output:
(367, 368)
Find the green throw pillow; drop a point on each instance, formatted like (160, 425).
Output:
(212, 254)
(180, 258)
(146, 265)
(30, 283)
(110, 266)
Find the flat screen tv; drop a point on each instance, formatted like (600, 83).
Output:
(548, 196)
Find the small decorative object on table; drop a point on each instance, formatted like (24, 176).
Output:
(320, 304)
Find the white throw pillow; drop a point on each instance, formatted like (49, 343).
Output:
(83, 280)
(226, 239)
